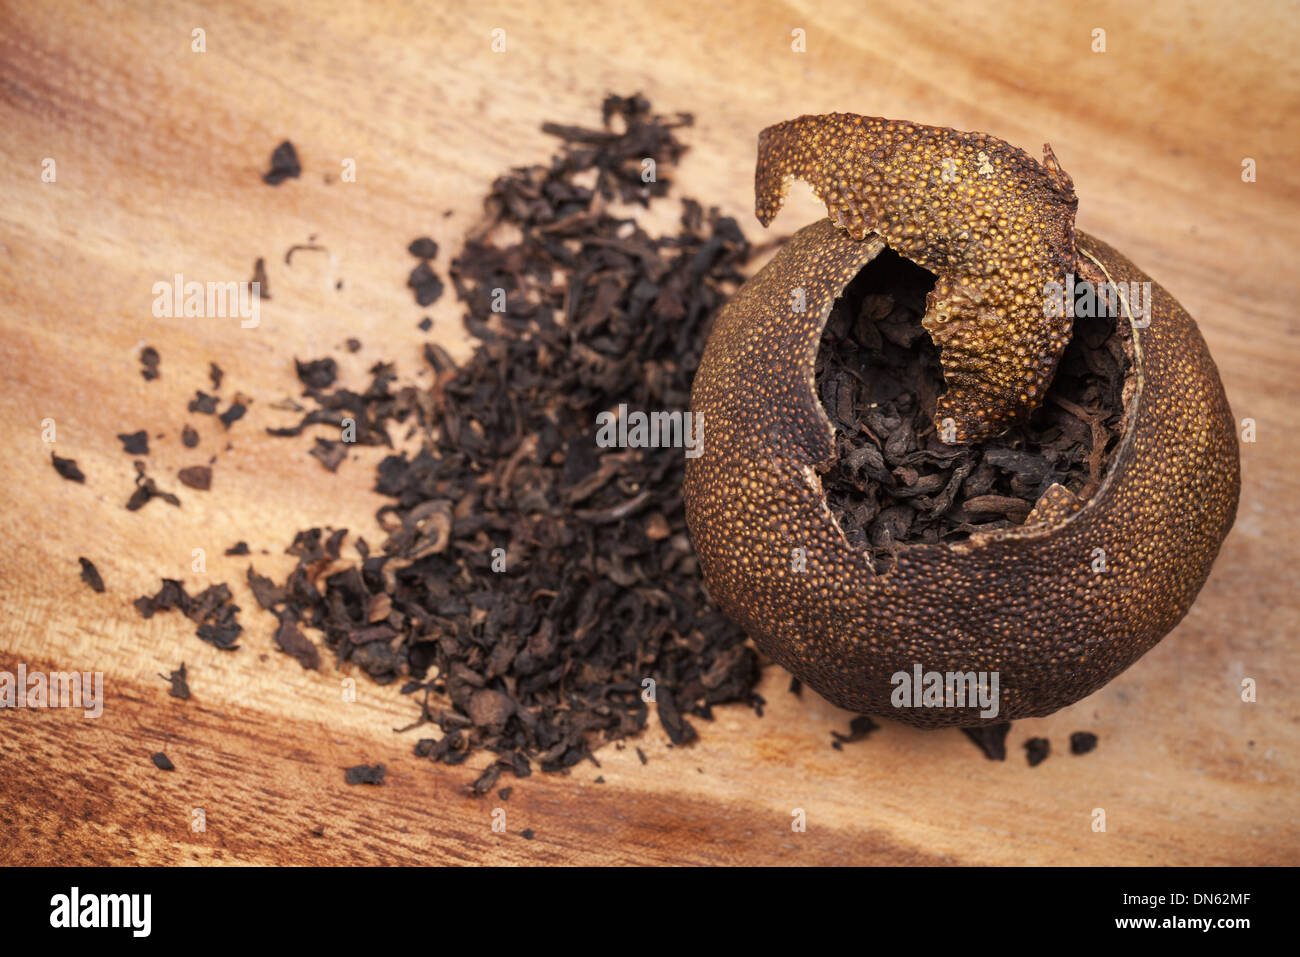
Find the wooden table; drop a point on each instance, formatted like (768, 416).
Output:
(158, 152)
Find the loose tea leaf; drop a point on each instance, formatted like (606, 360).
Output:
(67, 468)
(259, 277)
(317, 374)
(267, 592)
(329, 453)
(1037, 750)
(90, 575)
(203, 403)
(426, 285)
(284, 164)
(859, 728)
(368, 411)
(149, 362)
(213, 610)
(365, 774)
(486, 780)
(196, 476)
(302, 247)
(180, 687)
(1081, 742)
(991, 739)
(293, 642)
(146, 490)
(423, 248)
(135, 443)
(234, 412)
(162, 762)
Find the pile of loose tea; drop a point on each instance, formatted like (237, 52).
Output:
(539, 592)
(893, 483)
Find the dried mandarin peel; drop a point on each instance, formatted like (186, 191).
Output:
(993, 225)
(1024, 602)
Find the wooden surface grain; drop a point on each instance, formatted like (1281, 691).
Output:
(158, 154)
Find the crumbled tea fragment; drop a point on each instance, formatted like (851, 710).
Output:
(162, 762)
(1081, 742)
(284, 164)
(189, 437)
(266, 591)
(354, 345)
(619, 156)
(859, 727)
(425, 324)
(171, 595)
(365, 774)
(180, 687)
(677, 728)
(67, 468)
(259, 277)
(234, 412)
(213, 610)
(527, 834)
(329, 453)
(203, 403)
(991, 739)
(216, 374)
(146, 490)
(149, 362)
(196, 476)
(302, 247)
(293, 642)
(423, 248)
(90, 575)
(369, 411)
(490, 709)
(486, 780)
(134, 443)
(426, 285)
(221, 636)
(318, 373)
(505, 793)
(1037, 750)
(239, 548)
